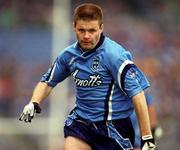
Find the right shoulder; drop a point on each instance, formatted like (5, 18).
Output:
(114, 51)
(67, 53)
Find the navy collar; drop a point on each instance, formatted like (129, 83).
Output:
(101, 40)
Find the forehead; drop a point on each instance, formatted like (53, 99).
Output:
(87, 24)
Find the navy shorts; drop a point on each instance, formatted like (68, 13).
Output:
(102, 135)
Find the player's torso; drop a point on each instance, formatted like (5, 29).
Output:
(91, 77)
(97, 93)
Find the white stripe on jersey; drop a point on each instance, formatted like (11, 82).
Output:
(110, 104)
(52, 73)
(121, 68)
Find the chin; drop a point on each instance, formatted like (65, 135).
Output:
(87, 48)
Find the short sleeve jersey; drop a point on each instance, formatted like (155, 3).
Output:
(105, 78)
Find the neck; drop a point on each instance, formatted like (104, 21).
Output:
(101, 40)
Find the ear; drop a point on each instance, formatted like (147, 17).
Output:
(74, 26)
(102, 27)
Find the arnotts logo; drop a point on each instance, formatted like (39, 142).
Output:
(94, 80)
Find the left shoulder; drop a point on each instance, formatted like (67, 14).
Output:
(115, 50)
(113, 44)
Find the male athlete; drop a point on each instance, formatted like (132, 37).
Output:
(108, 88)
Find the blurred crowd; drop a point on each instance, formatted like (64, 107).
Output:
(25, 50)
(149, 29)
(19, 13)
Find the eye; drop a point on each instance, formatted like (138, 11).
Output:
(81, 30)
(92, 30)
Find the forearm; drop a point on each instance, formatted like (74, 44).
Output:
(41, 92)
(141, 109)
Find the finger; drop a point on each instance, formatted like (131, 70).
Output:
(26, 118)
(29, 118)
(21, 117)
(38, 110)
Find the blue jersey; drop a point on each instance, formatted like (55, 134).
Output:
(105, 78)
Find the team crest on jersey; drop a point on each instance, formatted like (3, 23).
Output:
(95, 64)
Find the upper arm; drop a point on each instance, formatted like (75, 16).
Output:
(57, 72)
(132, 80)
(129, 77)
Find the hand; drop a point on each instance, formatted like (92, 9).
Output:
(147, 143)
(29, 111)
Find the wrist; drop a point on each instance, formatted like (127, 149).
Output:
(147, 142)
(34, 101)
(36, 106)
(146, 137)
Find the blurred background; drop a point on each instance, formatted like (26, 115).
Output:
(32, 33)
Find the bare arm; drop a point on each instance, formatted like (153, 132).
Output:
(41, 91)
(141, 109)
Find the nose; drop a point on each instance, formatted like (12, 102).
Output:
(86, 35)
